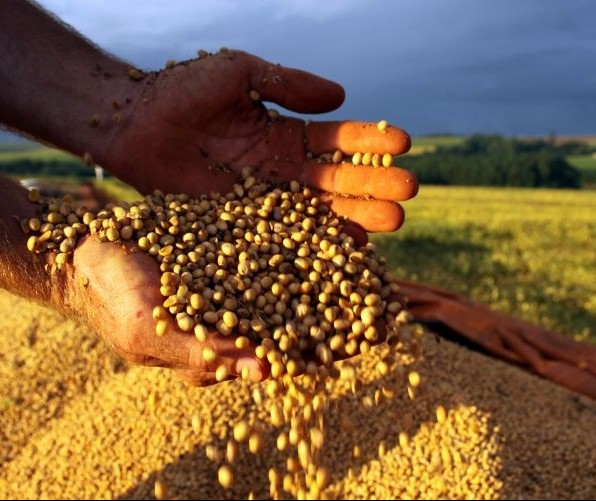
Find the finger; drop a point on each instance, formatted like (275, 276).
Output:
(371, 215)
(294, 89)
(357, 232)
(194, 378)
(381, 183)
(351, 137)
(183, 351)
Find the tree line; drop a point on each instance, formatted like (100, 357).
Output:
(24, 167)
(483, 160)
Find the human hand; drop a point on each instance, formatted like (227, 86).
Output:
(114, 290)
(193, 127)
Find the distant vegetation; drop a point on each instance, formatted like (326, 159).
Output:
(429, 144)
(479, 160)
(586, 164)
(482, 160)
(38, 168)
(31, 160)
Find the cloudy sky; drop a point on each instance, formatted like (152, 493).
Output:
(514, 67)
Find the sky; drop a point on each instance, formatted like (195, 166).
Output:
(513, 67)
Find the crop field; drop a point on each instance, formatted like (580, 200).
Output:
(428, 144)
(586, 164)
(41, 154)
(526, 252)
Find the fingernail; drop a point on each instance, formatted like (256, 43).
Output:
(254, 369)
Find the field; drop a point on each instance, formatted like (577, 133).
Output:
(438, 140)
(526, 252)
(427, 144)
(35, 154)
(586, 164)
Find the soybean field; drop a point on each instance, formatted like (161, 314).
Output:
(526, 252)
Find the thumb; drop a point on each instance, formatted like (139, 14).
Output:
(197, 362)
(294, 89)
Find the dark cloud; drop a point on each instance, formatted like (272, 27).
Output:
(514, 67)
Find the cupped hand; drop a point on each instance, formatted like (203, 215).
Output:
(193, 127)
(114, 288)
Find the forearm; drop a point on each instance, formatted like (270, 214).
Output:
(56, 86)
(23, 272)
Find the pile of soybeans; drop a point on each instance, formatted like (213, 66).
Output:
(412, 417)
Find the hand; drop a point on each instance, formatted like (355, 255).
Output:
(116, 291)
(193, 128)
(114, 288)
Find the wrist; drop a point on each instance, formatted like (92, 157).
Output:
(98, 114)
(116, 115)
(56, 86)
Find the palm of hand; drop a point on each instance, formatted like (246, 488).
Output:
(199, 119)
(117, 300)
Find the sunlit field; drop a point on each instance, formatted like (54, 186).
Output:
(527, 252)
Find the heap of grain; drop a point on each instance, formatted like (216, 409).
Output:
(273, 266)
(77, 425)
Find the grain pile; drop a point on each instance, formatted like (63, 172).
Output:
(77, 424)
